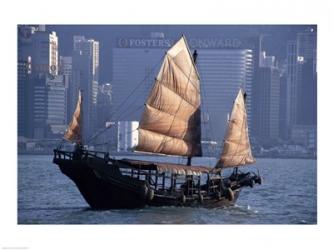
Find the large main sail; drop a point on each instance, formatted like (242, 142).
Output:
(74, 130)
(170, 123)
(236, 149)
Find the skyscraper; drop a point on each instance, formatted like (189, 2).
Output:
(302, 86)
(56, 118)
(38, 59)
(24, 96)
(65, 69)
(39, 106)
(45, 53)
(23, 79)
(267, 107)
(85, 69)
(307, 44)
(104, 104)
(291, 82)
(283, 125)
(306, 105)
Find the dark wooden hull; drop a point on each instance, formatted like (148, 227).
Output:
(99, 192)
(103, 186)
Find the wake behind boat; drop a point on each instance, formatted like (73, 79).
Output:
(170, 125)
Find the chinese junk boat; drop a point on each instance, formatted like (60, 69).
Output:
(169, 125)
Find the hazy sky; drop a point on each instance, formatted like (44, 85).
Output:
(275, 44)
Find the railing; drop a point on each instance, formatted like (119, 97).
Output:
(79, 154)
(63, 155)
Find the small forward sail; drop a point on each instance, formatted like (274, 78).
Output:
(74, 130)
(236, 149)
(170, 123)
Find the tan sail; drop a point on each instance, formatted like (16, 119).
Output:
(170, 123)
(236, 149)
(73, 132)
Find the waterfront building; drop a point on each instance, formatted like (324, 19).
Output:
(128, 135)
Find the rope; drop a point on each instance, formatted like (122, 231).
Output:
(118, 108)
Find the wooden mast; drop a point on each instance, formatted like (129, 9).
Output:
(195, 55)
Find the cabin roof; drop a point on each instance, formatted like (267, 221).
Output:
(168, 167)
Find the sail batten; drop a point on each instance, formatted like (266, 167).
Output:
(237, 149)
(170, 123)
(163, 121)
(158, 143)
(74, 130)
(183, 98)
(189, 79)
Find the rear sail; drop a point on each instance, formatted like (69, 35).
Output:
(74, 130)
(236, 149)
(170, 123)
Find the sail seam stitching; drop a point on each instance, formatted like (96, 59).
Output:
(165, 112)
(188, 77)
(165, 136)
(176, 93)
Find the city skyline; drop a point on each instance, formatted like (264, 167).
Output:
(275, 36)
(230, 57)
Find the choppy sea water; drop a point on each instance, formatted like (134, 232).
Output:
(288, 196)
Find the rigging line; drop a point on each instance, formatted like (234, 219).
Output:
(130, 113)
(116, 119)
(187, 76)
(162, 83)
(136, 88)
(128, 108)
(124, 101)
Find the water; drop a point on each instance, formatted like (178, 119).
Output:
(288, 196)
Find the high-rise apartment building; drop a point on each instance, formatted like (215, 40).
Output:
(37, 60)
(56, 118)
(267, 101)
(302, 77)
(85, 71)
(65, 69)
(104, 106)
(302, 86)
